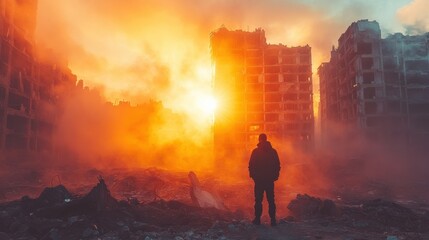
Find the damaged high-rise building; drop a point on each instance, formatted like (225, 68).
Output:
(260, 87)
(29, 87)
(378, 85)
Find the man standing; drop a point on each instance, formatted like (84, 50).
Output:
(264, 169)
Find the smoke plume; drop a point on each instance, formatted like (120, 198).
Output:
(159, 49)
(414, 17)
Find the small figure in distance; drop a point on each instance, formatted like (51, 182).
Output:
(264, 169)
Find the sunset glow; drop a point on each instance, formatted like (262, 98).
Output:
(159, 51)
(207, 105)
(161, 119)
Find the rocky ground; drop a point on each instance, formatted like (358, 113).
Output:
(155, 204)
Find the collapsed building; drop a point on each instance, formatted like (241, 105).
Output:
(30, 87)
(379, 86)
(260, 87)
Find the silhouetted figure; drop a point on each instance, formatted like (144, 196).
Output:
(264, 169)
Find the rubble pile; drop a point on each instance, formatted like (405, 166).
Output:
(147, 185)
(49, 197)
(57, 214)
(382, 215)
(157, 204)
(372, 215)
(305, 206)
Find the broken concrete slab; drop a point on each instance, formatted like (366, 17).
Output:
(201, 197)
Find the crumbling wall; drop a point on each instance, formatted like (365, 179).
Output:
(376, 85)
(28, 86)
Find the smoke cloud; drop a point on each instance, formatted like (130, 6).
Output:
(158, 50)
(104, 39)
(414, 17)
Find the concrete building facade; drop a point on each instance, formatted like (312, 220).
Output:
(260, 88)
(29, 87)
(379, 86)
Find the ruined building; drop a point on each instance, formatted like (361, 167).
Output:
(260, 88)
(379, 86)
(29, 88)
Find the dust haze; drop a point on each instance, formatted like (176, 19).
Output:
(147, 68)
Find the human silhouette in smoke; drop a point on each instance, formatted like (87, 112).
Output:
(264, 169)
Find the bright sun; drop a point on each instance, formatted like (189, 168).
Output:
(204, 101)
(207, 105)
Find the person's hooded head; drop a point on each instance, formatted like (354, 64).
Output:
(263, 143)
(262, 137)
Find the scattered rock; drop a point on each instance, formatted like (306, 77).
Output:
(98, 215)
(392, 238)
(89, 232)
(391, 214)
(73, 219)
(233, 228)
(4, 236)
(54, 234)
(288, 219)
(361, 224)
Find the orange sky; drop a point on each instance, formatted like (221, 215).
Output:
(159, 49)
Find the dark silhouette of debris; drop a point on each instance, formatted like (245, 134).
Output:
(305, 206)
(372, 215)
(50, 197)
(100, 197)
(381, 214)
(57, 214)
(97, 200)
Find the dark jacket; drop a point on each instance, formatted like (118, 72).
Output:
(264, 164)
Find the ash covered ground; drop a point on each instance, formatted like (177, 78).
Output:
(158, 204)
